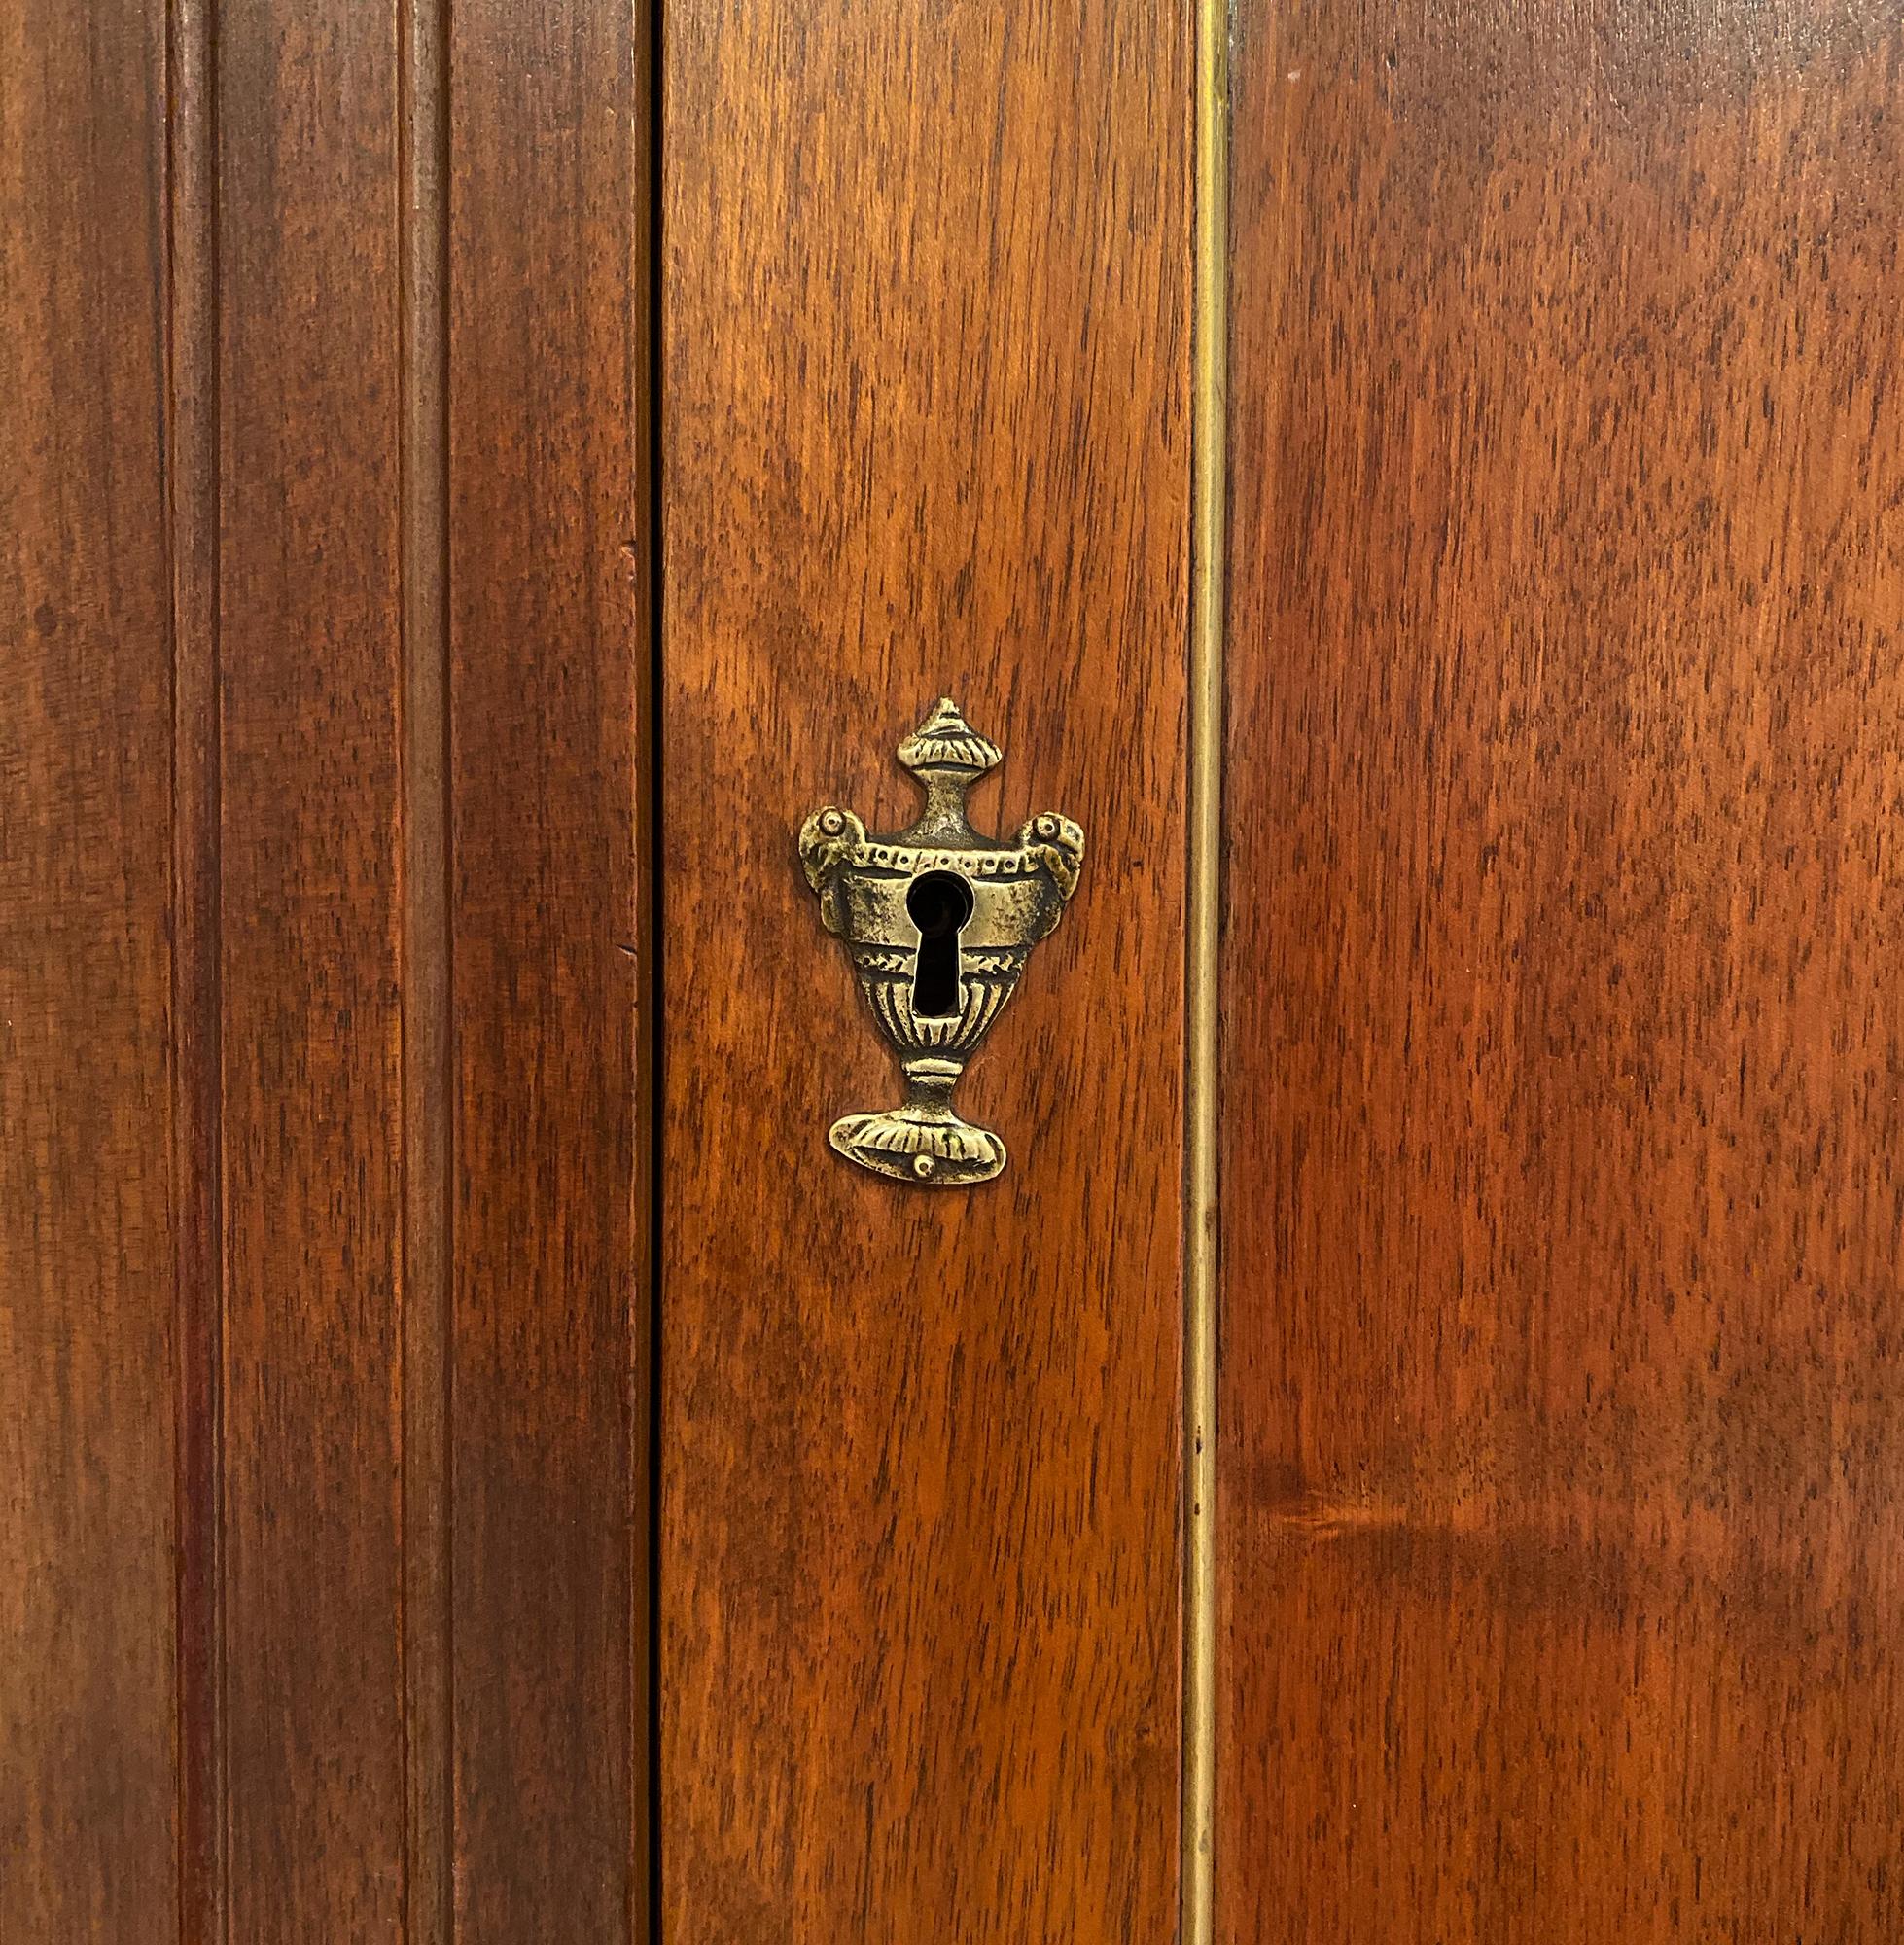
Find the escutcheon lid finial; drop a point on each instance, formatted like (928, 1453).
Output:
(946, 741)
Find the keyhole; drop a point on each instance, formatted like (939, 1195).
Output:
(938, 903)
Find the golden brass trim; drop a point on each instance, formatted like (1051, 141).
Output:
(869, 887)
(1208, 481)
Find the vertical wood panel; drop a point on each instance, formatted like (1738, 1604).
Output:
(925, 354)
(312, 1080)
(549, 688)
(294, 428)
(87, 1830)
(1562, 1331)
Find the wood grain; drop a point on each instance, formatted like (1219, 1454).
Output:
(313, 861)
(550, 689)
(1562, 1333)
(924, 346)
(311, 923)
(87, 1825)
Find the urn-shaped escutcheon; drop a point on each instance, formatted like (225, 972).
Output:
(939, 922)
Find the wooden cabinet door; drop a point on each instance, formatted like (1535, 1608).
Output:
(1404, 1452)
(1561, 1296)
(925, 330)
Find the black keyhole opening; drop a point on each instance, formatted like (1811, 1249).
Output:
(938, 903)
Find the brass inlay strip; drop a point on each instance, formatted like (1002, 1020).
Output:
(428, 1054)
(192, 487)
(1209, 471)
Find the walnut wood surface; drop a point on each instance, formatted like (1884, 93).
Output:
(323, 1198)
(1562, 1328)
(87, 1827)
(311, 1021)
(549, 704)
(925, 348)
(1561, 1315)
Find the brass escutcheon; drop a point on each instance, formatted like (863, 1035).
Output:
(939, 922)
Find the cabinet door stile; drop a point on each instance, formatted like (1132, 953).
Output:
(926, 350)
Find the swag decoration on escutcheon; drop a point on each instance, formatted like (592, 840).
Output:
(939, 922)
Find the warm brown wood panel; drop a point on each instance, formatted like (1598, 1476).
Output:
(1563, 1335)
(324, 1294)
(925, 354)
(312, 1097)
(87, 1830)
(549, 685)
